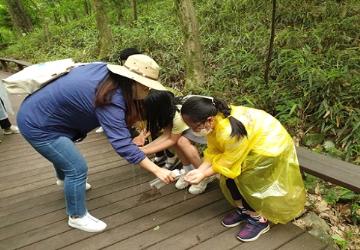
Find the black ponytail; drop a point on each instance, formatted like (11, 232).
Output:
(200, 108)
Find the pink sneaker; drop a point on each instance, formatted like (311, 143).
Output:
(253, 229)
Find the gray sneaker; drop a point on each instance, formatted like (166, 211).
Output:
(181, 183)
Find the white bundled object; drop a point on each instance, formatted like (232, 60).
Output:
(157, 183)
(35, 76)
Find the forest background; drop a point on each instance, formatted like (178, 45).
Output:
(221, 48)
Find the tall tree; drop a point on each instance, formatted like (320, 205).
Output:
(87, 7)
(20, 18)
(118, 5)
(195, 75)
(133, 3)
(271, 43)
(105, 36)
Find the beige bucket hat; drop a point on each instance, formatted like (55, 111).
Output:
(140, 68)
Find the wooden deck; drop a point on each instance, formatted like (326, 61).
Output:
(32, 212)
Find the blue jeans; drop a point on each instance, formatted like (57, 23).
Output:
(71, 167)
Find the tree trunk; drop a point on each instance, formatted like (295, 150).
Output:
(118, 5)
(20, 18)
(195, 75)
(105, 36)
(87, 7)
(133, 3)
(271, 43)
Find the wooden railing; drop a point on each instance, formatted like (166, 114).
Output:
(330, 169)
(7, 62)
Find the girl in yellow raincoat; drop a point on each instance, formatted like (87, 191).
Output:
(256, 160)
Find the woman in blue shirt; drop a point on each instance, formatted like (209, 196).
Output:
(89, 96)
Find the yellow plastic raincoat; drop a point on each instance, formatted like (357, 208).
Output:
(263, 165)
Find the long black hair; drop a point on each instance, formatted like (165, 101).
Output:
(105, 91)
(107, 88)
(198, 109)
(160, 108)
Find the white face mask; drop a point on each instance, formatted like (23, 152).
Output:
(203, 132)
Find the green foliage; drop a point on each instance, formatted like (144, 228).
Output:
(355, 212)
(342, 243)
(334, 194)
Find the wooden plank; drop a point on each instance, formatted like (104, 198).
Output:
(44, 165)
(173, 227)
(223, 241)
(29, 197)
(27, 191)
(60, 215)
(274, 238)
(143, 223)
(105, 193)
(192, 236)
(88, 150)
(304, 242)
(12, 149)
(28, 176)
(333, 170)
(16, 142)
(115, 215)
(40, 162)
(34, 157)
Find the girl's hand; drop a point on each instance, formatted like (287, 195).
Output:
(194, 176)
(164, 175)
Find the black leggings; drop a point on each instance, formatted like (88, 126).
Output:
(235, 194)
(5, 124)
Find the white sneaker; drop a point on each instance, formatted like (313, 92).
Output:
(181, 183)
(87, 223)
(60, 183)
(12, 130)
(201, 186)
(99, 130)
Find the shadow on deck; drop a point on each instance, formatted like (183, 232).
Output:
(32, 212)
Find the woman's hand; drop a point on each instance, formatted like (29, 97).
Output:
(164, 175)
(141, 138)
(194, 176)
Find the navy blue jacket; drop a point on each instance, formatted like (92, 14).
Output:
(66, 107)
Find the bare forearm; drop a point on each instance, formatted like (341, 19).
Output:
(204, 165)
(209, 171)
(156, 147)
(149, 165)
